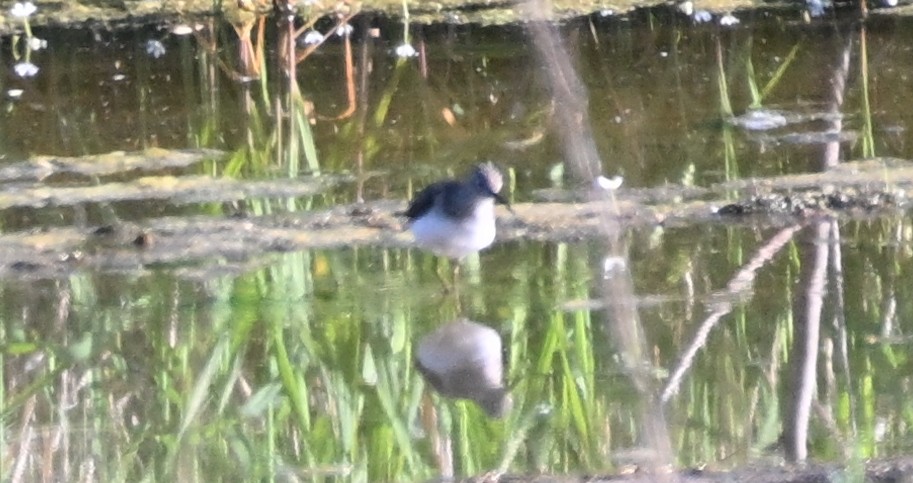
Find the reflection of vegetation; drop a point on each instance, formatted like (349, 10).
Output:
(731, 167)
(868, 137)
(758, 95)
(302, 368)
(280, 116)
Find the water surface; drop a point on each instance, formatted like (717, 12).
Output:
(299, 365)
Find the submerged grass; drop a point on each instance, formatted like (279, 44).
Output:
(304, 369)
(270, 374)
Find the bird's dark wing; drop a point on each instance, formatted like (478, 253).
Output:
(424, 200)
(434, 379)
(459, 201)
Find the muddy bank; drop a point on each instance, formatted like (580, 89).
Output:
(103, 13)
(206, 246)
(894, 470)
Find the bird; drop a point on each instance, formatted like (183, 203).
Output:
(462, 359)
(455, 218)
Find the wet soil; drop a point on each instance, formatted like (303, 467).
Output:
(894, 470)
(109, 14)
(208, 246)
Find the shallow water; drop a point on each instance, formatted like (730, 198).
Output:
(299, 365)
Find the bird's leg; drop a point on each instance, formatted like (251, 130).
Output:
(456, 273)
(447, 284)
(456, 287)
(451, 286)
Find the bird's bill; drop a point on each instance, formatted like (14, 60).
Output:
(503, 201)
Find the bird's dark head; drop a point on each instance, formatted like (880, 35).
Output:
(488, 180)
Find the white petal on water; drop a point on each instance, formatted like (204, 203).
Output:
(608, 184)
(312, 37)
(686, 8)
(37, 44)
(405, 50)
(729, 20)
(556, 174)
(26, 69)
(760, 120)
(23, 9)
(155, 48)
(182, 29)
(817, 8)
(612, 265)
(702, 16)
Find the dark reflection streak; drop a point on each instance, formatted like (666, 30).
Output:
(247, 106)
(440, 441)
(838, 86)
(831, 158)
(807, 308)
(67, 379)
(741, 283)
(578, 144)
(26, 438)
(804, 352)
(287, 60)
(206, 38)
(572, 123)
(287, 54)
(361, 115)
(423, 58)
(210, 61)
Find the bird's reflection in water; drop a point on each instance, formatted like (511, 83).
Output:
(462, 359)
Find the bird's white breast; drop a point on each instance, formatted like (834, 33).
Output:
(456, 238)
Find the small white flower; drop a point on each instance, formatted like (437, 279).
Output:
(606, 12)
(344, 30)
(702, 16)
(608, 184)
(182, 29)
(612, 265)
(23, 9)
(26, 69)
(37, 44)
(543, 409)
(15, 93)
(817, 8)
(405, 50)
(312, 37)
(686, 7)
(118, 77)
(728, 20)
(881, 427)
(155, 48)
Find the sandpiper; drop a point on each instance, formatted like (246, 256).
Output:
(462, 359)
(456, 218)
